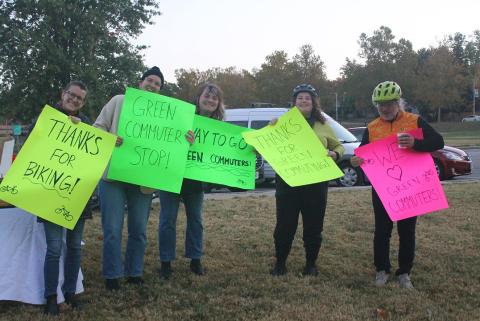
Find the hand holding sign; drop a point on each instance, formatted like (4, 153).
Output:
(294, 151)
(58, 168)
(220, 154)
(405, 180)
(154, 149)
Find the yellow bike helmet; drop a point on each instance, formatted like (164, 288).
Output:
(386, 91)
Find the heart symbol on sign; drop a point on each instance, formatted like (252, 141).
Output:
(395, 172)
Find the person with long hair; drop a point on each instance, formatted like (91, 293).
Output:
(309, 200)
(393, 119)
(209, 103)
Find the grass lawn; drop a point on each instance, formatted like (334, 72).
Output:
(239, 254)
(455, 134)
(462, 135)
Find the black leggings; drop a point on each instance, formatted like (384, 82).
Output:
(381, 239)
(311, 201)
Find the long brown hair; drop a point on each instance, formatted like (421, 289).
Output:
(316, 107)
(211, 88)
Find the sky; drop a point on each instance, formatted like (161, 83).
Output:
(203, 34)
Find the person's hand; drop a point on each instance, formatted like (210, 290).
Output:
(119, 141)
(74, 119)
(190, 137)
(356, 161)
(405, 140)
(273, 121)
(333, 155)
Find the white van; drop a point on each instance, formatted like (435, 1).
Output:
(257, 118)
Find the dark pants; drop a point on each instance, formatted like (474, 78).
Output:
(381, 240)
(311, 201)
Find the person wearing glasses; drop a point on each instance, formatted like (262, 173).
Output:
(113, 197)
(72, 100)
(393, 119)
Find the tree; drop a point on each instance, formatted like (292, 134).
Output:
(385, 59)
(46, 44)
(309, 66)
(441, 83)
(275, 79)
(238, 86)
(378, 48)
(188, 82)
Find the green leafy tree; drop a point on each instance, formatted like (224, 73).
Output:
(238, 86)
(46, 44)
(441, 83)
(275, 79)
(384, 59)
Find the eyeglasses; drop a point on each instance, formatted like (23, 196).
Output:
(75, 96)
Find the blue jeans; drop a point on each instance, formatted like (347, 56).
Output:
(113, 196)
(54, 238)
(167, 228)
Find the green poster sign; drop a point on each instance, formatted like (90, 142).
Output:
(220, 155)
(154, 148)
(294, 150)
(57, 168)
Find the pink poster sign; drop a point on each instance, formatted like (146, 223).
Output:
(405, 180)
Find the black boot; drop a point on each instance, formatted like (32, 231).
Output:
(279, 269)
(71, 300)
(112, 284)
(310, 269)
(166, 270)
(137, 280)
(51, 308)
(196, 267)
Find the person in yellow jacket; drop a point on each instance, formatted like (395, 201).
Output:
(310, 200)
(394, 120)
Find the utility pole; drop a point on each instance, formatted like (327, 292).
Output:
(336, 106)
(475, 94)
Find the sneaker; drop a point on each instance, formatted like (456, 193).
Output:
(51, 308)
(71, 300)
(381, 278)
(196, 267)
(405, 282)
(112, 284)
(137, 280)
(279, 269)
(165, 271)
(310, 270)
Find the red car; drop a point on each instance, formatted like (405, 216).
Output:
(449, 161)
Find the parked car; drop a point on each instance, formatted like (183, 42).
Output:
(471, 118)
(449, 161)
(257, 118)
(358, 132)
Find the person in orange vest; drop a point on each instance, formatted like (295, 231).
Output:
(393, 119)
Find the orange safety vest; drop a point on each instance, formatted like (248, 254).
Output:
(379, 128)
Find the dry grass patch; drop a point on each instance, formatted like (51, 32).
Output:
(239, 254)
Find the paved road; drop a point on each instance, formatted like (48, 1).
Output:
(475, 156)
(269, 190)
